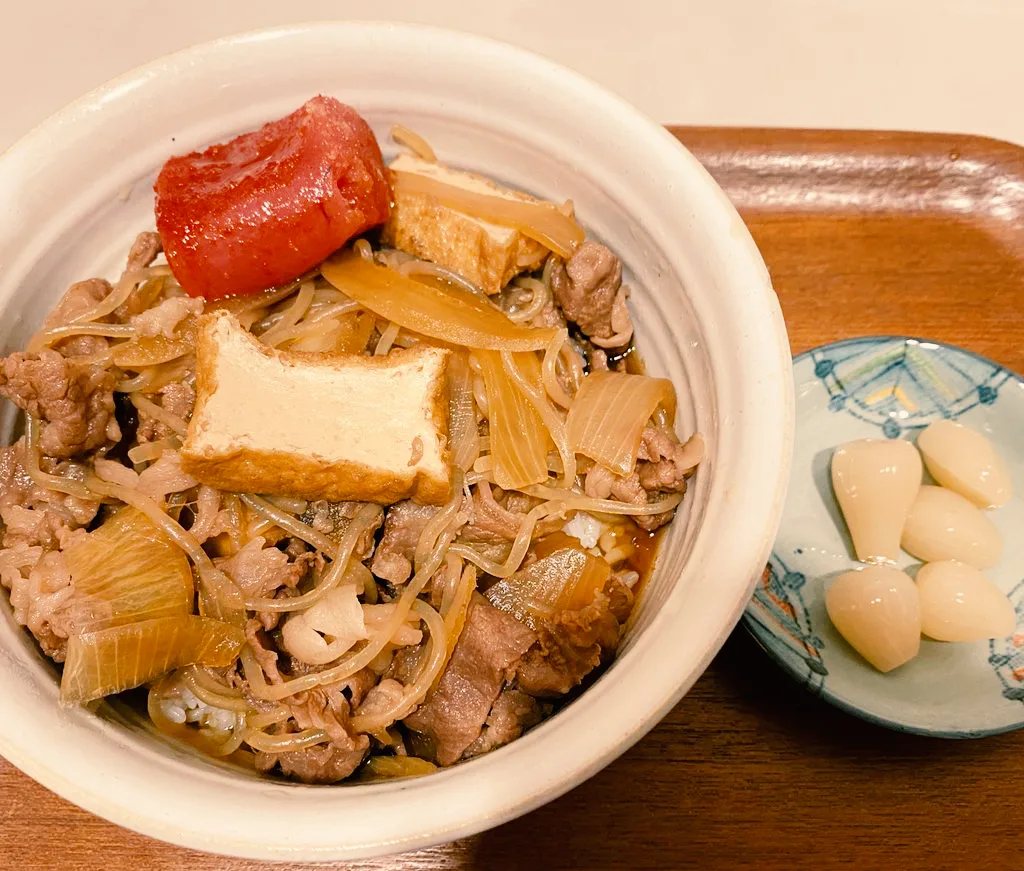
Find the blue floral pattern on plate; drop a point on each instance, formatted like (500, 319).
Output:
(891, 387)
(778, 608)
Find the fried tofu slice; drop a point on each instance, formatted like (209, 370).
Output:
(319, 426)
(487, 254)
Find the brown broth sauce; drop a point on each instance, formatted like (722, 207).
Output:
(645, 544)
(645, 550)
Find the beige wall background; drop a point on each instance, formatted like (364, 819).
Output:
(952, 65)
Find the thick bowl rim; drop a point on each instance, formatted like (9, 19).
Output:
(741, 550)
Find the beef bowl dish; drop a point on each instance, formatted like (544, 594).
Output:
(362, 515)
(358, 441)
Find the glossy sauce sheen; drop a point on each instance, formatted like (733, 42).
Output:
(645, 549)
(269, 205)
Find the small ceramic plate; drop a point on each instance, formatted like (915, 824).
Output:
(891, 387)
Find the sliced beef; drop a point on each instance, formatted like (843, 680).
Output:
(620, 595)
(405, 664)
(74, 401)
(586, 287)
(500, 517)
(143, 251)
(512, 713)
(211, 520)
(402, 527)
(665, 464)
(487, 526)
(651, 522)
(263, 650)
(82, 347)
(259, 571)
(16, 562)
(326, 709)
(366, 542)
(325, 763)
(31, 526)
(490, 645)
(165, 476)
(491, 545)
(333, 518)
(361, 685)
(490, 516)
(379, 697)
(40, 594)
(163, 318)
(178, 398)
(34, 515)
(77, 300)
(602, 483)
(573, 643)
(272, 619)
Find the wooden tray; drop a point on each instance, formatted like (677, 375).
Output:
(863, 233)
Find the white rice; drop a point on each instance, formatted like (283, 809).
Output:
(585, 527)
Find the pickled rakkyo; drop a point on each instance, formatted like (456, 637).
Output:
(876, 482)
(943, 525)
(958, 603)
(876, 610)
(963, 460)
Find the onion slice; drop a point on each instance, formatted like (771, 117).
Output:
(464, 440)
(542, 222)
(127, 571)
(525, 372)
(449, 314)
(145, 351)
(117, 659)
(414, 142)
(455, 614)
(609, 412)
(519, 438)
(219, 596)
(380, 768)
(565, 580)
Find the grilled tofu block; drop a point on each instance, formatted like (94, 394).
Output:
(320, 426)
(487, 254)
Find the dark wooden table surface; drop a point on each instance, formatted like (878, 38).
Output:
(863, 233)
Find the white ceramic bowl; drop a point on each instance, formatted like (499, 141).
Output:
(77, 189)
